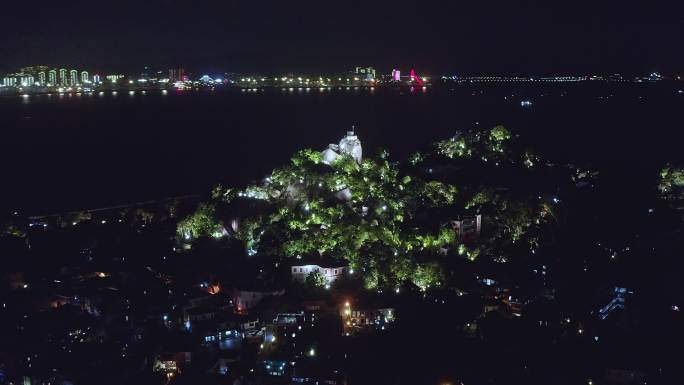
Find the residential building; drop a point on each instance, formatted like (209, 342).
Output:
(171, 363)
(331, 273)
(52, 77)
(358, 318)
(247, 299)
(63, 80)
(468, 228)
(73, 77)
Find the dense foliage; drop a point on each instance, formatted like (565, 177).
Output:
(202, 222)
(671, 184)
(390, 223)
(316, 279)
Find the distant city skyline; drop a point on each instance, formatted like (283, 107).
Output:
(32, 79)
(178, 71)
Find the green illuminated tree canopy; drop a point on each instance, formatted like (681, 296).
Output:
(390, 223)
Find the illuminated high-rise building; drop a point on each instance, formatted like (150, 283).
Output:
(19, 80)
(85, 77)
(26, 80)
(176, 75)
(96, 79)
(73, 77)
(63, 80)
(33, 70)
(41, 78)
(9, 81)
(114, 78)
(367, 72)
(52, 77)
(396, 75)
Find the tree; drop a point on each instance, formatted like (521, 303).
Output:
(202, 222)
(428, 275)
(499, 134)
(144, 216)
(384, 220)
(455, 148)
(671, 185)
(75, 218)
(316, 279)
(371, 225)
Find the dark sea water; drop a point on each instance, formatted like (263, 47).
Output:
(91, 150)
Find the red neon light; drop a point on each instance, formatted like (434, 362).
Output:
(415, 78)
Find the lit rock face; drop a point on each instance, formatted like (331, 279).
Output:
(344, 195)
(331, 154)
(349, 145)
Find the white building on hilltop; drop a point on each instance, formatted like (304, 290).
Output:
(349, 145)
(331, 273)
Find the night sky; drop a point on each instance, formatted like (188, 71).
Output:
(495, 36)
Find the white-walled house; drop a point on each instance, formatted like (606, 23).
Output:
(331, 273)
